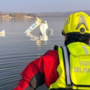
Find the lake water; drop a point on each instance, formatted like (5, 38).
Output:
(17, 50)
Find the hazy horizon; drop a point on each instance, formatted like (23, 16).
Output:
(37, 6)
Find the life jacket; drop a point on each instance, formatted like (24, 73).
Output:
(74, 67)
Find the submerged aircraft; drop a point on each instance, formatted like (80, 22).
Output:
(43, 36)
(2, 33)
(34, 25)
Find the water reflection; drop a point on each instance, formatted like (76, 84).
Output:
(16, 50)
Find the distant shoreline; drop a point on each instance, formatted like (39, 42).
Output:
(41, 14)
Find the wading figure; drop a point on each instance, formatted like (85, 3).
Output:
(64, 68)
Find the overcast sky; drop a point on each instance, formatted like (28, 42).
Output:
(43, 5)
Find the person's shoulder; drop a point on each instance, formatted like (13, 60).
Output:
(51, 56)
(53, 52)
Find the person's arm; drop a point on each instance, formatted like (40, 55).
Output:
(32, 76)
(40, 71)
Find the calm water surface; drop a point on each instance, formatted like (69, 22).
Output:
(17, 50)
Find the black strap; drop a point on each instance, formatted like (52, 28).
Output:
(55, 47)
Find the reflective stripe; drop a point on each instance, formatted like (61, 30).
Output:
(86, 52)
(67, 66)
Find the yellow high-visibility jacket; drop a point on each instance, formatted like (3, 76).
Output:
(74, 67)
